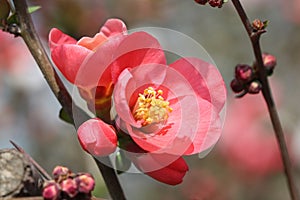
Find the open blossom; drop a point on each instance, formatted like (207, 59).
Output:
(166, 110)
(169, 109)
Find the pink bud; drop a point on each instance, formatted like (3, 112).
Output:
(69, 186)
(60, 172)
(254, 87)
(270, 62)
(202, 2)
(97, 137)
(243, 72)
(85, 182)
(51, 191)
(236, 86)
(216, 3)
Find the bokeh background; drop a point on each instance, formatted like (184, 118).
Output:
(244, 164)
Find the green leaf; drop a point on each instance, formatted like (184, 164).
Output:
(12, 19)
(122, 162)
(32, 9)
(63, 115)
(266, 23)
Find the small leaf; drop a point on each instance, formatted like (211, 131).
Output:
(63, 115)
(266, 23)
(32, 9)
(122, 162)
(12, 19)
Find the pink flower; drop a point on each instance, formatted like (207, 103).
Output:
(97, 137)
(167, 110)
(247, 143)
(171, 109)
(68, 54)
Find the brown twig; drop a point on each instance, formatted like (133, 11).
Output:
(254, 37)
(29, 35)
(33, 162)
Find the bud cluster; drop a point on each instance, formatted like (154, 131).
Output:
(212, 3)
(246, 78)
(68, 185)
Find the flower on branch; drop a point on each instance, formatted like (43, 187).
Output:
(165, 111)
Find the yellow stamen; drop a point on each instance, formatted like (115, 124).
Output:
(151, 107)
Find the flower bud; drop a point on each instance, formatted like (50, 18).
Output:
(243, 73)
(236, 86)
(258, 25)
(216, 3)
(254, 87)
(69, 186)
(60, 173)
(202, 2)
(97, 137)
(270, 62)
(51, 191)
(85, 183)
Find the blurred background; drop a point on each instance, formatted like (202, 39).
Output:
(245, 163)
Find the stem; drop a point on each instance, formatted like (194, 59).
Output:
(32, 41)
(254, 37)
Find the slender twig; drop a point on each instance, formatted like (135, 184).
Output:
(32, 41)
(254, 37)
(33, 162)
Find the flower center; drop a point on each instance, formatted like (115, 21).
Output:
(151, 107)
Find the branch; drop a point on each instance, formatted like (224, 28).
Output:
(254, 37)
(32, 41)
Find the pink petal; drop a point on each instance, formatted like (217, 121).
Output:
(179, 133)
(92, 43)
(56, 38)
(137, 49)
(204, 78)
(97, 68)
(115, 55)
(171, 173)
(68, 59)
(97, 137)
(209, 86)
(113, 27)
(66, 55)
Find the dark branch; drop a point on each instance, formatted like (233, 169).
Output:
(32, 40)
(254, 37)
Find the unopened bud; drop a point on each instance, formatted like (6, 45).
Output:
(216, 3)
(254, 87)
(85, 183)
(51, 191)
(69, 186)
(60, 173)
(202, 2)
(236, 86)
(259, 25)
(243, 72)
(270, 62)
